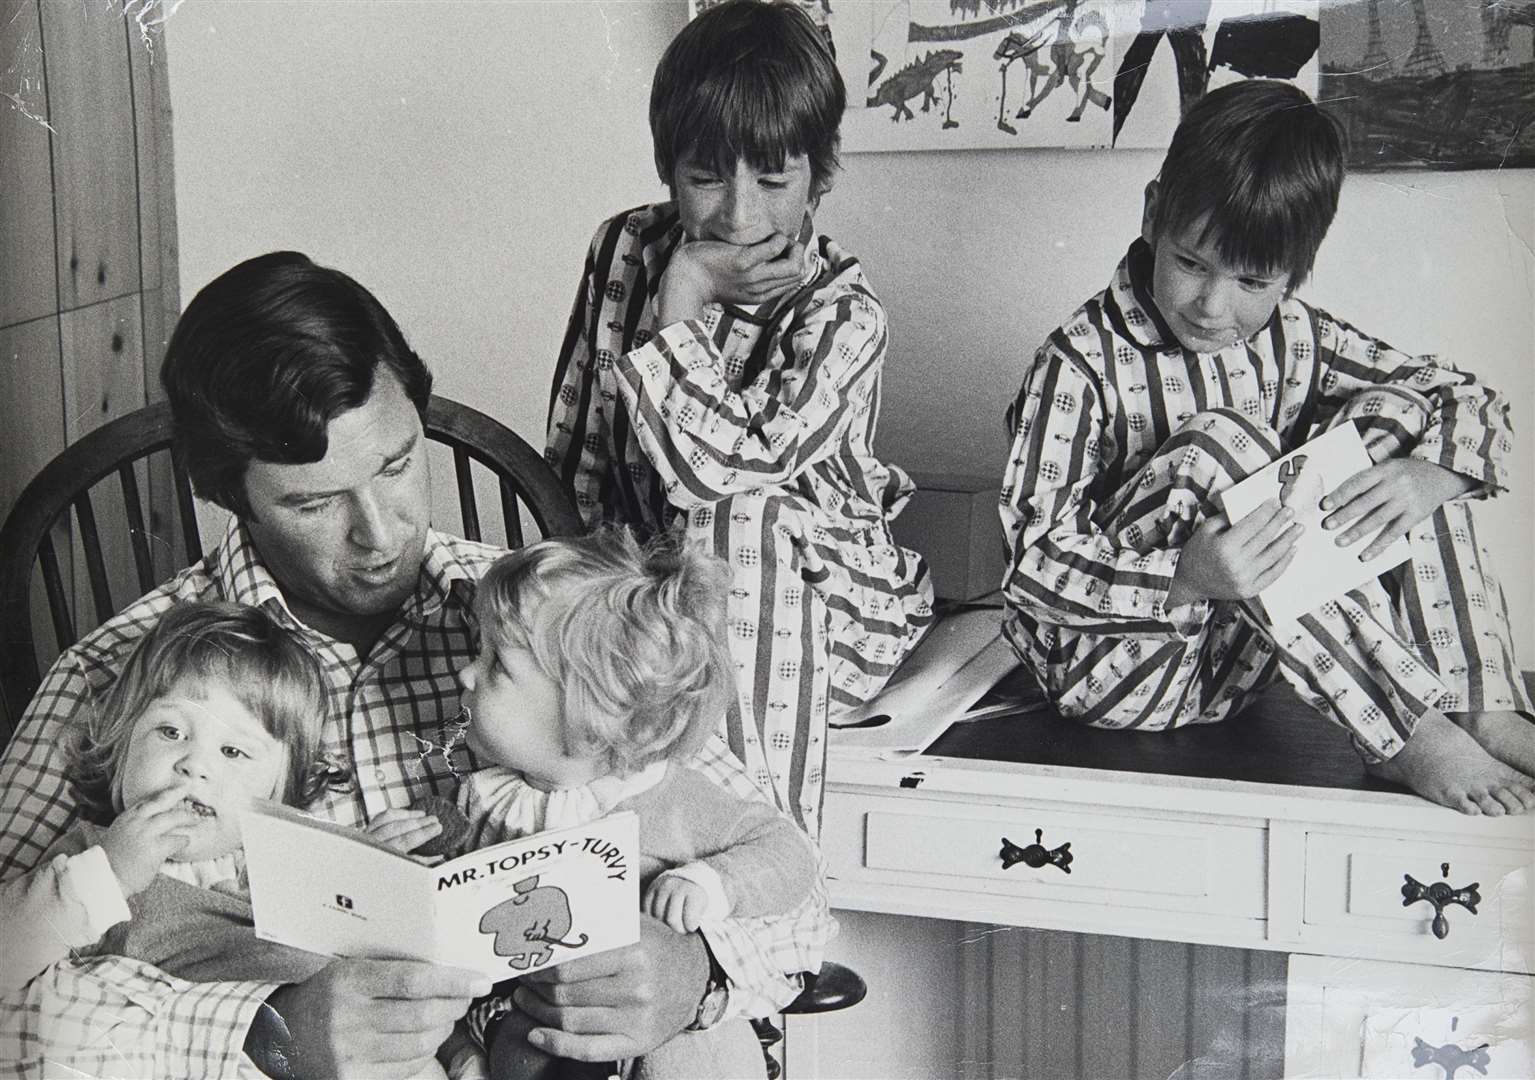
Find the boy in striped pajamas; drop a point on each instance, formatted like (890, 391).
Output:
(721, 375)
(1127, 587)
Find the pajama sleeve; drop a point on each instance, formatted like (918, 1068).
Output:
(573, 446)
(1064, 570)
(708, 441)
(1466, 427)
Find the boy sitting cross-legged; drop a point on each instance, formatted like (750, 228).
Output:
(1197, 366)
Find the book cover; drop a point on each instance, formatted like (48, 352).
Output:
(960, 658)
(1321, 570)
(502, 910)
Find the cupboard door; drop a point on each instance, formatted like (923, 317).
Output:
(1349, 1018)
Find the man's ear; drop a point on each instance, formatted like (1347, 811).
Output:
(1149, 213)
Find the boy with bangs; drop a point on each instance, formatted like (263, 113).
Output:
(721, 374)
(1128, 588)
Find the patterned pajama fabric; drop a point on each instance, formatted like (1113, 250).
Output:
(1121, 438)
(754, 436)
(119, 1017)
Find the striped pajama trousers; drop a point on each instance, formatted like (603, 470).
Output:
(819, 616)
(1433, 632)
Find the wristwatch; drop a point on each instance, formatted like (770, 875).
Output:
(711, 1007)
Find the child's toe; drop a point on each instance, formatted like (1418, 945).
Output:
(1488, 804)
(1508, 799)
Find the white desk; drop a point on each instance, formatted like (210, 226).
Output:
(1312, 871)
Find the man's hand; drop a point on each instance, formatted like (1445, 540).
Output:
(703, 272)
(1388, 499)
(618, 1004)
(1222, 561)
(145, 835)
(374, 1019)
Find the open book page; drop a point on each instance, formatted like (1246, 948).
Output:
(1321, 570)
(501, 910)
(962, 657)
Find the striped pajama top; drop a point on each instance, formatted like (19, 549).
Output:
(1108, 387)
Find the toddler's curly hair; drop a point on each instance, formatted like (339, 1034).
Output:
(633, 636)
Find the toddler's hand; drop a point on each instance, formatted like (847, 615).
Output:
(677, 902)
(144, 836)
(705, 272)
(403, 829)
(1388, 499)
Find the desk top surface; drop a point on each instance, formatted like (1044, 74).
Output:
(1279, 739)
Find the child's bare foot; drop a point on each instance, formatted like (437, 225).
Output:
(1448, 766)
(1507, 736)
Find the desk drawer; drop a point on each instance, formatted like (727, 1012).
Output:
(1134, 862)
(1354, 894)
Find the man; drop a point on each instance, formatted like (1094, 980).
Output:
(298, 407)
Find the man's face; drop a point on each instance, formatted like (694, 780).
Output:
(1208, 303)
(344, 536)
(745, 207)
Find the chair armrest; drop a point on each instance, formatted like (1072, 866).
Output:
(833, 987)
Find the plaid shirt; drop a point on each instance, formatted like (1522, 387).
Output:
(117, 1017)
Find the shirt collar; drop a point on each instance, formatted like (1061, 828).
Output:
(243, 577)
(1130, 292)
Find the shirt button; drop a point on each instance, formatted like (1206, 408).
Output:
(378, 774)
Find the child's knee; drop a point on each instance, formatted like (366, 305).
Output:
(1248, 444)
(1390, 419)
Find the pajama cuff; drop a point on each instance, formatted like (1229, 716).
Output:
(88, 880)
(1186, 620)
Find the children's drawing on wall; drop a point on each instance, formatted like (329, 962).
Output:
(1432, 84)
(953, 74)
(1207, 45)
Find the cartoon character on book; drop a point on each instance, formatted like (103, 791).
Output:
(218, 705)
(1130, 593)
(538, 913)
(602, 666)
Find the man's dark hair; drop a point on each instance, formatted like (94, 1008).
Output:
(748, 80)
(264, 357)
(1262, 164)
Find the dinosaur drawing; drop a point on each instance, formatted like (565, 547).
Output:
(1076, 49)
(916, 78)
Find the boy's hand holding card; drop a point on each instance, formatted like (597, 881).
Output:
(1302, 480)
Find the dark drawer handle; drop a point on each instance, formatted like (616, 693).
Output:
(1036, 854)
(1441, 895)
(1450, 1057)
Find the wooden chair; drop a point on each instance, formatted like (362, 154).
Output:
(27, 539)
(120, 446)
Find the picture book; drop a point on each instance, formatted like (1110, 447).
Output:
(1321, 570)
(960, 658)
(502, 910)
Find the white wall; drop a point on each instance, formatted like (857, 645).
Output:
(455, 158)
